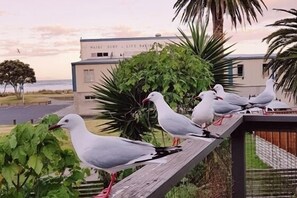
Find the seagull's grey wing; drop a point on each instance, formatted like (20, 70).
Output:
(112, 152)
(179, 125)
(223, 107)
(236, 99)
(263, 98)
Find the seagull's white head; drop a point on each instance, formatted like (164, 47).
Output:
(218, 88)
(69, 122)
(153, 96)
(208, 95)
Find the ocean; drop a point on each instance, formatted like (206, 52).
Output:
(42, 85)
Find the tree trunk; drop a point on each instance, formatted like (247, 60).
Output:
(217, 21)
(16, 92)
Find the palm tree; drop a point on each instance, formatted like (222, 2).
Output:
(210, 48)
(239, 10)
(284, 42)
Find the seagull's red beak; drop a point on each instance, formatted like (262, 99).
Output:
(145, 100)
(54, 127)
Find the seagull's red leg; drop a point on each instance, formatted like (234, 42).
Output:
(218, 122)
(105, 193)
(175, 141)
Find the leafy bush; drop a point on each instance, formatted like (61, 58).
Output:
(32, 161)
(174, 71)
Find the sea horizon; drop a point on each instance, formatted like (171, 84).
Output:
(62, 84)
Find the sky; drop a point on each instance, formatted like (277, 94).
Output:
(46, 34)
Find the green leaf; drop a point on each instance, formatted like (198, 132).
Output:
(19, 154)
(35, 162)
(12, 141)
(9, 172)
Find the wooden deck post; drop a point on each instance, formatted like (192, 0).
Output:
(238, 163)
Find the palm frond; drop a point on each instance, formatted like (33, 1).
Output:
(212, 50)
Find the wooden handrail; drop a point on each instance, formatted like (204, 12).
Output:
(156, 180)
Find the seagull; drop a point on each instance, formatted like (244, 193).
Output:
(203, 113)
(110, 154)
(265, 97)
(214, 106)
(177, 125)
(223, 110)
(231, 98)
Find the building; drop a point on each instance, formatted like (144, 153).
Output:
(100, 55)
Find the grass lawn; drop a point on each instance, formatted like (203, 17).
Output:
(36, 97)
(252, 160)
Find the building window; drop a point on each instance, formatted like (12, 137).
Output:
(102, 54)
(240, 70)
(89, 75)
(89, 97)
(265, 73)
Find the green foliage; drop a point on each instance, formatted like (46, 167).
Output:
(187, 190)
(212, 50)
(283, 42)
(238, 10)
(32, 161)
(174, 71)
(16, 74)
(122, 109)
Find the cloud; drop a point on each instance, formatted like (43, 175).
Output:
(2, 13)
(12, 48)
(122, 31)
(55, 30)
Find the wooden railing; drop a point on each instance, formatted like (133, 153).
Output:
(156, 180)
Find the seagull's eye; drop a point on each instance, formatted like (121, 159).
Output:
(66, 120)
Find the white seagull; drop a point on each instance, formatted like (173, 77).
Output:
(213, 106)
(265, 97)
(223, 110)
(177, 125)
(231, 98)
(110, 154)
(203, 113)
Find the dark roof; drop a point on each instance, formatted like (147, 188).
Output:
(98, 61)
(130, 38)
(249, 56)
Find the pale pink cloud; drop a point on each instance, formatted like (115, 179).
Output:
(122, 31)
(11, 48)
(55, 30)
(2, 13)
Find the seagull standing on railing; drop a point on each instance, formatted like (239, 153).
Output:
(203, 113)
(177, 125)
(264, 98)
(232, 99)
(111, 154)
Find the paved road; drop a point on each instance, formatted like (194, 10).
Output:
(28, 112)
